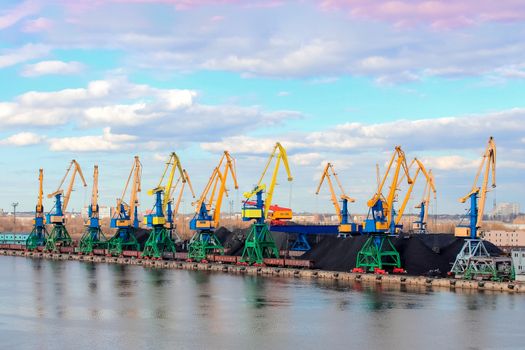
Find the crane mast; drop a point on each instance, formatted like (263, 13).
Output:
(38, 235)
(160, 239)
(59, 235)
(125, 217)
(93, 236)
(208, 210)
(259, 243)
(345, 227)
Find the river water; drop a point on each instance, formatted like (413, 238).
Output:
(48, 304)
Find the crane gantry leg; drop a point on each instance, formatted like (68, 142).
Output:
(159, 241)
(259, 245)
(59, 237)
(92, 238)
(124, 239)
(37, 237)
(377, 253)
(202, 243)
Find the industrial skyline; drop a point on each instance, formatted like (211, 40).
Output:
(201, 77)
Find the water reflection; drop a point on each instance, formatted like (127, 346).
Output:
(84, 306)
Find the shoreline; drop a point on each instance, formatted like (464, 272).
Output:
(266, 271)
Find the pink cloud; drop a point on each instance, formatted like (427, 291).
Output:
(37, 25)
(437, 14)
(14, 15)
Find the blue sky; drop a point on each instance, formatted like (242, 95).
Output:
(339, 81)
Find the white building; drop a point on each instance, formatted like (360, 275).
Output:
(506, 209)
(103, 212)
(518, 261)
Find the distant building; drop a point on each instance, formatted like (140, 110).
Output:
(506, 209)
(103, 212)
(506, 240)
(518, 262)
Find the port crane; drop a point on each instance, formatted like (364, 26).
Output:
(378, 251)
(160, 238)
(38, 235)
(474, 261)
(208, 210)
(125, 217)
(345, 227)
(259, 243)
(93, 236)
(59, 235)
(420, 224)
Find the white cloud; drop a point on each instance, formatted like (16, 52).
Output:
(452, 162)
(23, 139)
(11, 57)
(306, 158)
(93, 143)
(116, 115)
(158, 117)
(176, 99)
(52, 67)
(450, 133)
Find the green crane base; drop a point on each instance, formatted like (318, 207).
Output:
(259, 245)
(122, 239)
(378, 252)
(59, 237)
(35, 240)
(159, 241)
(203, 243)
(92, 238)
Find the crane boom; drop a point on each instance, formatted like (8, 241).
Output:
(329, 168)
(39, 205)
(94, 192)
(179, 198)
(76, 169)
(135, 188)
(429, 182)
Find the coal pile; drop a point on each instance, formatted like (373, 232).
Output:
(141, 235)
(420, 254)
(233, 241)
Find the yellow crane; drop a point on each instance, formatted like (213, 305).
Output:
(488, 167)
(474, 261)
(259, 243)
(93, 236)
(160, 239)
(125, 217)
(378, 251)
(345, 227)
(381, 209)
(37, 237)
(208, 210)
(423, 205)
(59, 235)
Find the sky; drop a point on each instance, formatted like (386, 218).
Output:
(343, 81)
